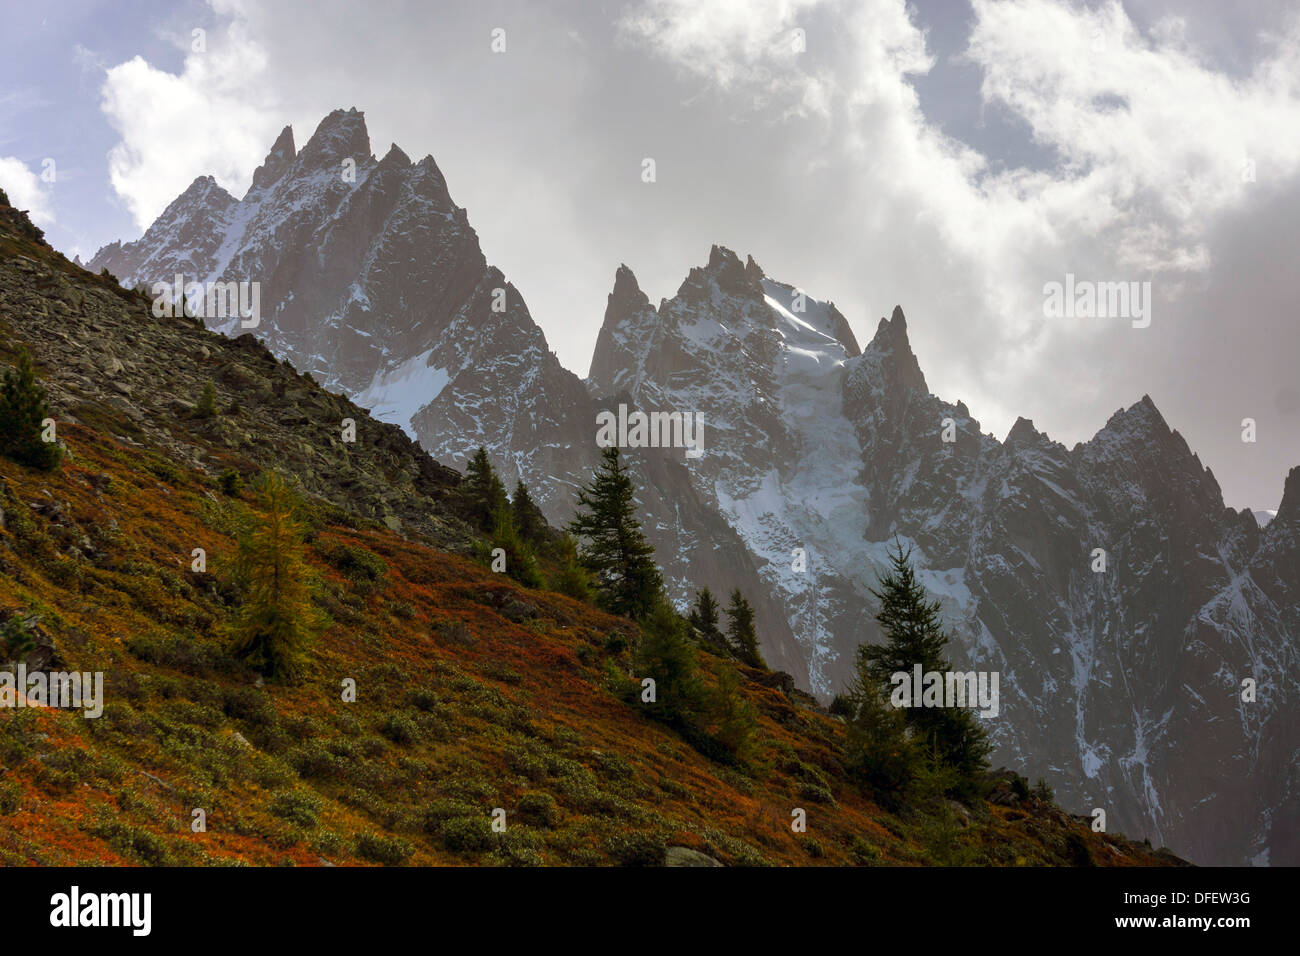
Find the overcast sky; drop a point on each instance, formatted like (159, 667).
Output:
(948, 156)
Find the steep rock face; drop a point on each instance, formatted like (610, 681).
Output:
(372, 280)
(763, 363)
(1107, 677)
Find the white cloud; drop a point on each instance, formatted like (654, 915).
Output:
(822, 163)
(1153, 143)
(213, 118)
(26, 190)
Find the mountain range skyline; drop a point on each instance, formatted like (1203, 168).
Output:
(820, 454)
(273, 165)
(852, 149)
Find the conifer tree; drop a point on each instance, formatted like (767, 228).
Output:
(912, 624)
(207, 406)
(22, 410)
(665, 654)
(740, 631)
(521, 564)
(530, 523)
(616, 551)
(732, 718)
(914, 634)
(482, 492)
(878, 749)
(704, 619)
(572, 577)
(277, 619)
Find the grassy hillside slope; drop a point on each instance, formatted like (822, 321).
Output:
(473, 693)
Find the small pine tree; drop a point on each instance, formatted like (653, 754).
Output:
(207, 406)
(520, 562)
(15, 639)
(230, 482)
(481, 492)
(912, 624)
(616, 550)
(571, 577)
(277, 619)
(914, 634)
(878, 749)
(530, 523)
(733, 719)
(704, 620)
(740, 631)
(23, 409)
(665, 654)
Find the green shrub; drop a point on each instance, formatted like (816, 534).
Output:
(399, 728)
(525, 763)
(207, 406)
(1020, 787)
(389, 851)
(614, 766)
(637, 849)
(440, 811)
(362, 567)
(466, 834)
(10, 798)
(518, 848)
(15, 639)
(816, 793)
(1078, 851)
(131, 841)
(425, 700)
(184, 654)
(327, 842)
(23, 410)
(313, 761)
(538, 810)
(230, 482)
(864, 853)
(163, 470)
(299, 807)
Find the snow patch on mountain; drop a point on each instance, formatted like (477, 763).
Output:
(395, 396)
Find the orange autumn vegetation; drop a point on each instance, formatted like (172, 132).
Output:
(473, 693)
